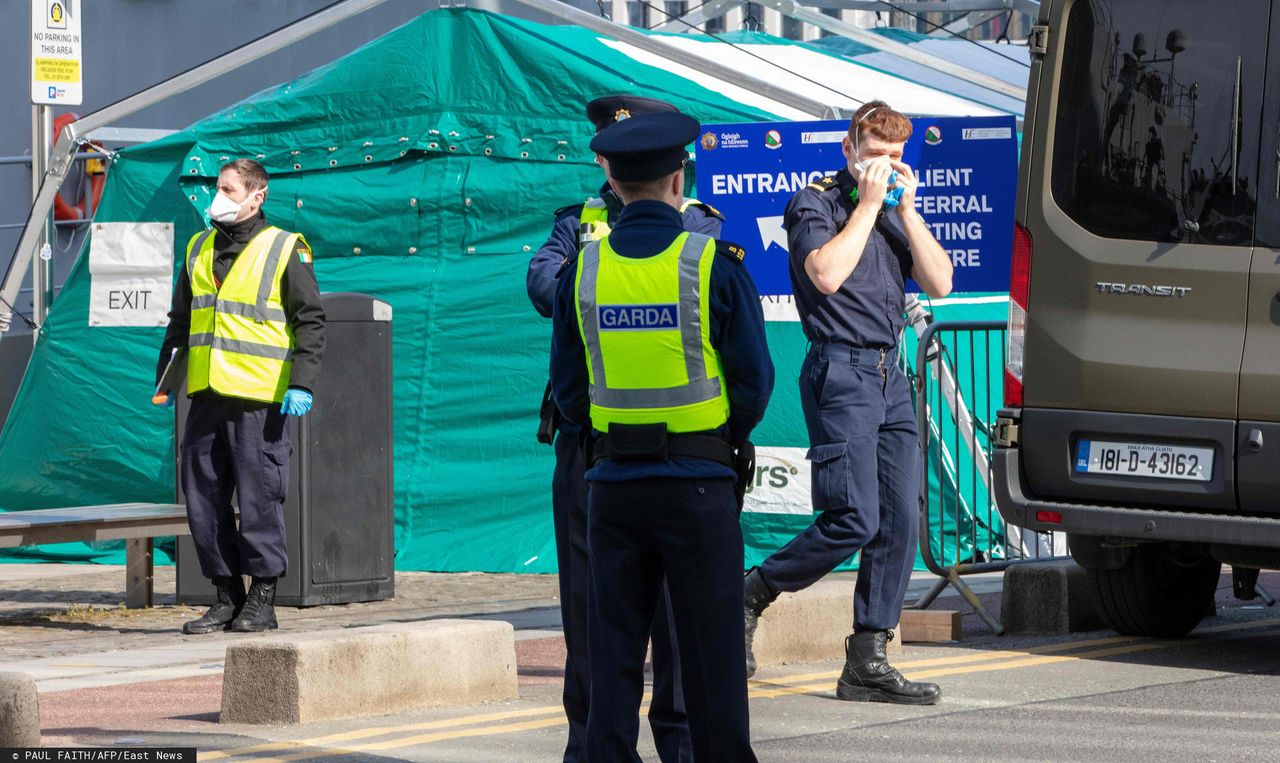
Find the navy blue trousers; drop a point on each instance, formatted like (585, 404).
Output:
(866, 467)
(667, 717)
(685, 531)
(239, 447)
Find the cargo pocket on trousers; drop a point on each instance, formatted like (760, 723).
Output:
(275, 471)
(830, 475)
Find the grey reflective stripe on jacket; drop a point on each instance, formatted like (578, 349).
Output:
(241, 346)
(268, 276)
(196, 246)
(700, 389)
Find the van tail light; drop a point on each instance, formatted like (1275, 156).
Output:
(1016, 337)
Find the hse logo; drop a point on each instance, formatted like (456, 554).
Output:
(773, 139)
(638, 317)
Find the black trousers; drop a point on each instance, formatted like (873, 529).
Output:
(686, 531)
(667, 717)
(238, 447)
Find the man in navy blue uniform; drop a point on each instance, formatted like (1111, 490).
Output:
(574, 225)
(850, 256)
(669, 391)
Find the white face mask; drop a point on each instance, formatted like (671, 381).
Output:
(224, 210)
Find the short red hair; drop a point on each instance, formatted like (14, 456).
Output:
(877, 119)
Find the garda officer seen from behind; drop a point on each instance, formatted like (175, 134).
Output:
(575, 225)
(854, 239)
(247, 309)
(658, 344)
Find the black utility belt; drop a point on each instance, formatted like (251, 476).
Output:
(652, 442)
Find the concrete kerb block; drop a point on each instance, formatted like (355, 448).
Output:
(1048, 597)
(377, 670)
(19, 711)
(808, 626)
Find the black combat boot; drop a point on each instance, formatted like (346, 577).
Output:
(259, 613)
(868, 676)
(224, 610)
(757, 596)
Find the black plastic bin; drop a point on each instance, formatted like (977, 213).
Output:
(339, 515)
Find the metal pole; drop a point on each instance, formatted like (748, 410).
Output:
(42, 273)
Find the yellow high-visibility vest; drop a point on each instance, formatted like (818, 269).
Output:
(240, 342)
(593, 221)
(646, 325)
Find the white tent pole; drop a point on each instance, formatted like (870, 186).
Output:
(906, 52)
(60, 158)
(655, 45)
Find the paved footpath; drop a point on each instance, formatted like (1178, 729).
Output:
(110, 676)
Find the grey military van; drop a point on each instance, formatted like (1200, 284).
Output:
(1142, 381)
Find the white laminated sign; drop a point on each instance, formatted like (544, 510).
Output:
(56, 71)
(130, 274)
(781, 483)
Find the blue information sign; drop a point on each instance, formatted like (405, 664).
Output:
(968, 174)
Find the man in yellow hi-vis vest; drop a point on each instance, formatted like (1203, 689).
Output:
(246, 307)
(658, 349)
(576, 225)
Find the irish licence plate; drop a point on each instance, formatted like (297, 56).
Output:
(1136, 459)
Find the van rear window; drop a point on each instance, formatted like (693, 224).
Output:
(1156, 130)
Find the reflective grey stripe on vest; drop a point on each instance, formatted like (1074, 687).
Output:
(195, 251)
(240, 346)
(254, 311)
(263, 313)
(700, 389)
(203, 301)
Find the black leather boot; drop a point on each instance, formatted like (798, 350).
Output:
(224, 610)
(259, 613)
(757, 597)
(868, 676)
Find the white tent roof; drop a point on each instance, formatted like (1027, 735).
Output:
(837, 81)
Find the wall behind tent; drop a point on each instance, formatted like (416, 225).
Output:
(178, 34)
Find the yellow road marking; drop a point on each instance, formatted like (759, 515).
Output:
(957, 659)
(946, 666)
(379, 731)
(1024, 662)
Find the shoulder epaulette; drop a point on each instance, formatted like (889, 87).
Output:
(825, 184)
(567, 209)
(731, 250)
(705, 207)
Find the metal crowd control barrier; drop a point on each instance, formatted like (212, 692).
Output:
(958, 378)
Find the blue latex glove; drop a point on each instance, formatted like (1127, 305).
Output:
(296, 402)
(894, 194)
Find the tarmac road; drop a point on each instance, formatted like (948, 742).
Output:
(1094, 696)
